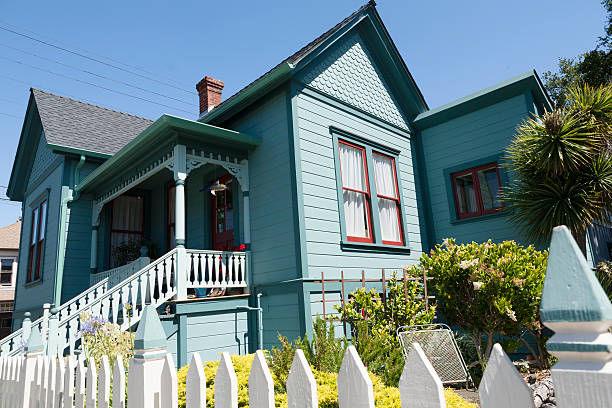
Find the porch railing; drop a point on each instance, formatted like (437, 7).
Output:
(120, 273)
(154, 284)
(216, 269)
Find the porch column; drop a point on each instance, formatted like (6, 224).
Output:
(180, 175)
(93, 265)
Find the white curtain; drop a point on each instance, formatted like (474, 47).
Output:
(384, 176)
(353, 177)
(127, 221)
(489, 188)
(466, 194)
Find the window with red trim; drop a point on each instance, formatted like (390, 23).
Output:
(389, 208)
(37, 241)
(477, 191)
(355, 192)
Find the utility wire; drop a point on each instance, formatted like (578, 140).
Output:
(91, 52)
(9, 100)
(92, 84)
(94, 74)
(95, 60)
(8, 114)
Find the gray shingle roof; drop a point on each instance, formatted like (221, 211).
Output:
(79, 125)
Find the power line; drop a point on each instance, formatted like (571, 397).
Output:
(92, 84)
(94, 59)
(9, 100)
(90, 52)
(8, 114)
(94, 74)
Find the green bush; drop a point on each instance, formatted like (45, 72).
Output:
(402, 307)
(387, 397)
(489, 289)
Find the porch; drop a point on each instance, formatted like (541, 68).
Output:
(180, 185)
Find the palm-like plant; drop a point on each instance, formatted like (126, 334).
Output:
(562, 166)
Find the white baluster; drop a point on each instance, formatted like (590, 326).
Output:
(243, 269)
(195, 386)
(419, 384)
(169, 386)
(301, 384)
(217, 259)
(209, 266)
(118, 383)
(261, 384)
(92, 384)
(235, 265)
(502, 386)
(355, 387)
(226, 384)
(104, 383)
(224, 269)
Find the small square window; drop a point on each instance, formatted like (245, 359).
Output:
(477, 191)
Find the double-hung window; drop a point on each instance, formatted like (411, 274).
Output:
(477, 191)
(370, 216)
(127, 225)
(6, 271)
(355, 192)
(37, 241)
(389, 208)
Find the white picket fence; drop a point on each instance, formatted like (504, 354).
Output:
(573, 304)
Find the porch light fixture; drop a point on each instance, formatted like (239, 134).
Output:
(216, 186)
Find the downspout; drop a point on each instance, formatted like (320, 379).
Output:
(67, 196)
(259, 320)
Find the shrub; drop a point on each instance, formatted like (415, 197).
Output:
(604, 275)
(400, 308)
(489, 289)
(326, 387)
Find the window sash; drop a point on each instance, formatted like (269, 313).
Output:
(390, 216)
(356, 195)
(461, 205)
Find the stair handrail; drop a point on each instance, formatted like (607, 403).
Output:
(130, 282)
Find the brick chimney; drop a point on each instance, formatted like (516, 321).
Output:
(209, 90)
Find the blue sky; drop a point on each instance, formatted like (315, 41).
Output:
(451, 48)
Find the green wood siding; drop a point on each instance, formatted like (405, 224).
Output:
(78, 248)
(43, 160)
(464, 140)
(321, 206)
(31, 297)
(281, 314)
(273, 237)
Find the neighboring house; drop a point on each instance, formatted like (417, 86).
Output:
(331, 161)
(9, 253)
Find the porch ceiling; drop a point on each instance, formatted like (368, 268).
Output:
(167, 130)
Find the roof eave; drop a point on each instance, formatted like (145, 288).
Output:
(528, 81)
(256, 90)
(11, 191)
(163, 125)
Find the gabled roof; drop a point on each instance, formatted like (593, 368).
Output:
(286, 68)
(526, 82)
(9, 236)
(72, 125)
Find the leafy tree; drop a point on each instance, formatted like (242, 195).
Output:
(489, 289)
(562, 166)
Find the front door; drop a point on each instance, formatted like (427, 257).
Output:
(223, 217)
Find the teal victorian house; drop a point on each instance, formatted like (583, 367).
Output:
(331, 161)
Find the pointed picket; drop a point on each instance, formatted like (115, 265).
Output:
(169, 385)
(118, 383)
(502, 386)
(261, 384)
(195, 386)
(91, 384)
(4, 379)
(104, 383)
(419, 384)
(355, 388)
(60, 369)
(51, 379)
(37, 381)
(301, 384)
(79, 387)
(226, 384)
(69, 382)
(44, 382)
